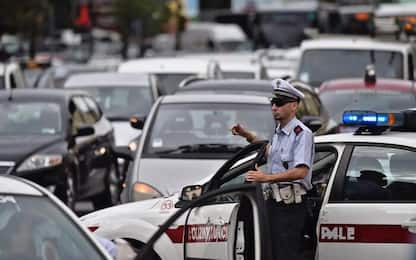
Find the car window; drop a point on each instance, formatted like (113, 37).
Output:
(311, 105)
(180, 124)
(30, 118)
(168, 83)
(122, 102)
(34, 228)
(323, 165)
(93, 108)
(83, 112)
(380, 174)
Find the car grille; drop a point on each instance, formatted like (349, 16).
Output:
(5, 167)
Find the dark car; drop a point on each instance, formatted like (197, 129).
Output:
(311, 111)
(60, 140)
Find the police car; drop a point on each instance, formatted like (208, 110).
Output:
(361, 206)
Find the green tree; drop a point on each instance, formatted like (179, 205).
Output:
(143, 15)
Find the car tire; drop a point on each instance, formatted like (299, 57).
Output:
(66, 191)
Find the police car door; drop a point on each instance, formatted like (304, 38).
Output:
(222, 229)
(371, 209)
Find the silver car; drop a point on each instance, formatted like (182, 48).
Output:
(187, 138)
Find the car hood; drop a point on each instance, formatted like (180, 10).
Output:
(154, 211)
(170, 175)
(124, 133)
(16, 148)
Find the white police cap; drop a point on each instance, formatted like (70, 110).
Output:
(283, 88)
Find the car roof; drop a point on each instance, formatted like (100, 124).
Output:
(165, 65)
(13, 185)
(355, 43)
(389, 137)
(215, 98)
(60, 95)
(381, 84)
(396, 9)
(107, 79)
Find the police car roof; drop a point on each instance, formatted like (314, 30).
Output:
(355, 43)
(215, 98)
(14, 185)
(107, 79)
(388, 137)
(357, 83)
(165, 65)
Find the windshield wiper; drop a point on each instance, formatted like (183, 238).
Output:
(202, 148)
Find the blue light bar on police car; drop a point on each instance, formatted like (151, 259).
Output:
(369, 118)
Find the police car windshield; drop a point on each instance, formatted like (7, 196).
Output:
(201, 128)
(33, 227)
(336, 102)
(122, 102)
(318, 66)
(30, 118)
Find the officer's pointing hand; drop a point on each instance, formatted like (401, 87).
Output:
(238, 130)
(257, 176)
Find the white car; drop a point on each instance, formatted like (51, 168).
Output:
(339, 57)
(170, 71)
(34, 224)
(362, 202)
(120, 96)
(187, 138)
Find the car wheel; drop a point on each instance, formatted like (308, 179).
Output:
(66, 191)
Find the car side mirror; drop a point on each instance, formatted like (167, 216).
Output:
(312, 122)
(84, 131)
(136, 122)
(191, 192)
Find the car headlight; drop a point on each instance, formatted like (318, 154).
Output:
(39, 161)
(143, 191)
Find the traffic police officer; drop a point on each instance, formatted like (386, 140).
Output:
(290, 157)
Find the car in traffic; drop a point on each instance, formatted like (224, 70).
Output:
(187, 137)
(120, 96)
(311, 111)
(170, 71)
(361, 204)
(60, 140)
(34, 224)
(339, 57)
(381, 95)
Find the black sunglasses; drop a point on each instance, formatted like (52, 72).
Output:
(279, 102)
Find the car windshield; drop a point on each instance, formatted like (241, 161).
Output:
(234, 46)
(122, 102)
(336, 102)
(318, 66)
(205, 127)
(168, 83)
(34, 228)
(30, 118)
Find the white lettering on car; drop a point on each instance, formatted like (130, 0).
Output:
(207, 233)
(338, 233)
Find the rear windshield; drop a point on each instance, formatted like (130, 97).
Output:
(336, 102)
(318, 66)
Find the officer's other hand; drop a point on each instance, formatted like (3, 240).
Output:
(257, 176)
(239, 130)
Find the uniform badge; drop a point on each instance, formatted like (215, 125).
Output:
(298, 130)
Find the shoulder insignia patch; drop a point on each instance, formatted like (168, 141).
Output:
(298, 130)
